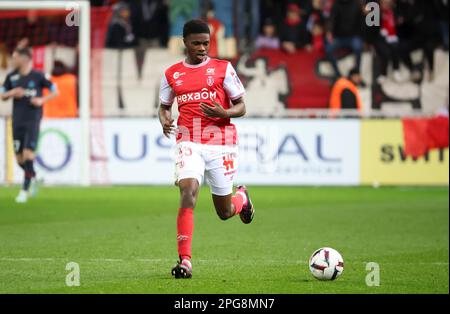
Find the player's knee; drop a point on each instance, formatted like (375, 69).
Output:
(188, 198)
(224, 215)
(28, 155)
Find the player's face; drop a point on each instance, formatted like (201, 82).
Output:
(19, 60)
(197, 46)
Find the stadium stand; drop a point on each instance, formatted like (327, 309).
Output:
(278, 84)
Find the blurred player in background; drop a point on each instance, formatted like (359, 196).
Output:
(208, 93)
(25, 86)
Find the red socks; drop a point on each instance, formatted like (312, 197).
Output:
(185, 228)
(185, 225)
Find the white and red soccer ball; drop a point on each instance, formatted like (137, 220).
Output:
(326, 264)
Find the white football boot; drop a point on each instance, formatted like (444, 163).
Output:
(22, 197)
(34, 187)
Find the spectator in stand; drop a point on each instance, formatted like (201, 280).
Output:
(65, 105)
(327, 5)
(345, 93)
(268, 38)
(425, 33)
(224, 13)
(294, 34)
(248, 27)
(404, 19)
(316, 26)
(386, 44)
(274, 10)
(217, 31)
(120, 33)
(150, 22)
(442, 6)
(180, 12)
(344, 31)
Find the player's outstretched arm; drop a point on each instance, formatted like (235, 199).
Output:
(236, 111)
(165, 117)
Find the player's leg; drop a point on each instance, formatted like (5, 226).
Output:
(22, 197)
(18, 140)
(29, 181)
(228, 206)
(189, 175)
(222, 164)
(189, 189)
(20, 160)
(30, 144)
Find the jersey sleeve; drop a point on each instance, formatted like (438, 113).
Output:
(166, 93)
(6, 85)
(47, 83)
(232, 84)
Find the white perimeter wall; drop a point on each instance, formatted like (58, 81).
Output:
(310, 152)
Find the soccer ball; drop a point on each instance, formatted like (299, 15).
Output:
(326, 264)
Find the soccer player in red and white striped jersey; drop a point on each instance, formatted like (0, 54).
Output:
(208, 93)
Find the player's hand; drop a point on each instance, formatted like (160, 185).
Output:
(18, 92)
(169, 128)
(37, 101)
(214, 112)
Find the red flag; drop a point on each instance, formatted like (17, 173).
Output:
(438, 132)
(423, 134)
(415, 137)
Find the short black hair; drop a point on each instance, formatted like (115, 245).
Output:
(195, 27)
(24, 51)
(354, 71)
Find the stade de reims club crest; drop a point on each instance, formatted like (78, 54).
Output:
(210, 81)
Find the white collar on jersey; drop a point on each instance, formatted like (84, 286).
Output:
(196, 65)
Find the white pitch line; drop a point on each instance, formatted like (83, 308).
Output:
(26, 259)
(106, 260)
(92, 260)
(149, 260)
(205, 261)
(143, 260)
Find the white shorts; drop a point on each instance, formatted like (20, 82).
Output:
(217, 163)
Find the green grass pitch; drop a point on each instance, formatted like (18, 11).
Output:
(123, 239)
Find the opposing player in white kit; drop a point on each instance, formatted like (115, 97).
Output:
(209, 93)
